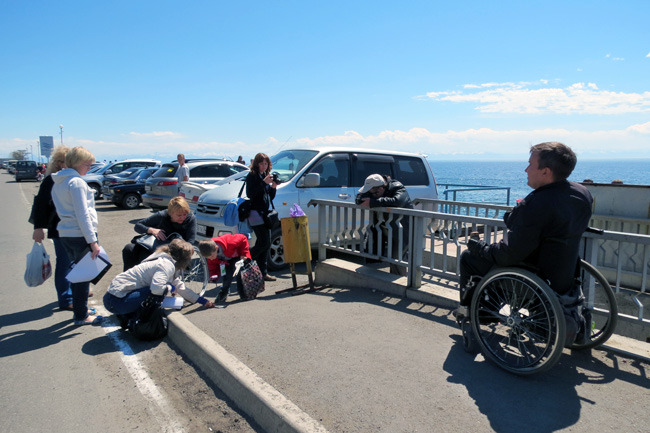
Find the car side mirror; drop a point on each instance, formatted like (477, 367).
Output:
(311, 180)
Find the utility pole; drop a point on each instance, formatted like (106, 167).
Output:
(61, 128)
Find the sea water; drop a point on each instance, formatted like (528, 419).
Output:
(511, 174)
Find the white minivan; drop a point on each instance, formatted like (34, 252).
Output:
(322, 173)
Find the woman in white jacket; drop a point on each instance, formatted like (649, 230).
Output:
(75, 205)
(156, 275)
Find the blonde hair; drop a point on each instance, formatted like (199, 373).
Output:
(178, 204)
(180, 250)
(57, 159)
(77, 156)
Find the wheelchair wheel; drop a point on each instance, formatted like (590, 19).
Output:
(600, 304)
(196, 276)
(518, 321)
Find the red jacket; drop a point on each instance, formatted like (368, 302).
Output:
(232, 246)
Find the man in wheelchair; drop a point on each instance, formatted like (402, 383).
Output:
(544, 231)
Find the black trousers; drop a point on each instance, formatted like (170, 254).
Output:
(260, 250)
(471, 265)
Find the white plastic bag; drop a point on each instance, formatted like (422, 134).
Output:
(38, 268)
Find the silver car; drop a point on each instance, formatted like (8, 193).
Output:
(163, 185)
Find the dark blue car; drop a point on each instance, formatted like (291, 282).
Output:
(129, 195)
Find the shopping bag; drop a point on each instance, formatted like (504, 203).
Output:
(250, 281)
(38, 267)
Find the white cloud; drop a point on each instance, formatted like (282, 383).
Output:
(155, 134)
(473, 143)
(528, 98)
(648, 55)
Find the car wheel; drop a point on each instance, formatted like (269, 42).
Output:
(275, 259)
(97, 191)
(131, 201)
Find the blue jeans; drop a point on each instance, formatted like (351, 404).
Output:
(63, 290)
(127, 305)
(76, 249)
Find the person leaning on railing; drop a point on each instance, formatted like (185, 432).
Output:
(381, 191)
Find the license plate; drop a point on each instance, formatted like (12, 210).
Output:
(200, 229)
(147, 188)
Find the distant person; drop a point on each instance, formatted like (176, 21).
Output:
(381, 191)
(177, 218)
(44, 217)
(183, 172)
(544, 229)
(261, 189)
(241, 160)
(75, 206)
(224, 250)
(159, 274)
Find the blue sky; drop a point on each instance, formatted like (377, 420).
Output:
(453, 80)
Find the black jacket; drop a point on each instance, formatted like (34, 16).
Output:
(44, 214)
(259, 193)
(544, 230)
(395, 195)
(161, 220)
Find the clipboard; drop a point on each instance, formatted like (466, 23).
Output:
(87, 269)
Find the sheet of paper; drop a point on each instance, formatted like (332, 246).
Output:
(87, 268)
(175, 302)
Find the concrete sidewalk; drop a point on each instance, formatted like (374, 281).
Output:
(367, 355)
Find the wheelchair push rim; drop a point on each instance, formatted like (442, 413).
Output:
(196, 276)
(600, 300)
(517, 321)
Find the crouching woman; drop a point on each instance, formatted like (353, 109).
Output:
(157, 275)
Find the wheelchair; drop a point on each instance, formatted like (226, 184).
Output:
(518, 322)
(196, 276)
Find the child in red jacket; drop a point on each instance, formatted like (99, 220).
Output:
(224, 250)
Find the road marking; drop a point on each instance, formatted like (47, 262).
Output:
(162, 410)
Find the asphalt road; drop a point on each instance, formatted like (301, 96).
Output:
(57, 377)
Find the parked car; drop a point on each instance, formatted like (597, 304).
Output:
(27, 170)
(95, 179)
(306, 174)
(192, 191)
(128, 195)
(136, 175)
(163, 185)
(11, 167)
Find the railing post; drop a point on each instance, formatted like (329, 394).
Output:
(322, 251)
(414, 279)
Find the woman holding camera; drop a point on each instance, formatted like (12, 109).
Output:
(260, 189)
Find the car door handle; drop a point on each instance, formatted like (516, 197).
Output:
(344, 196)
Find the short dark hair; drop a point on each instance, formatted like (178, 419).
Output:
(557, 157)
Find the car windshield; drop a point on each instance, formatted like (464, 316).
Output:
(95, 169)
(236, 176)
(144, 174)
(289, 162)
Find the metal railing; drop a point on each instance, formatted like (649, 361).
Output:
(450, 190)
(421, 243)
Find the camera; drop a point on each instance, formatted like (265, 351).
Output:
(276, 177)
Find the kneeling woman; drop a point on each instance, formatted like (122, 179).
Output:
(156, 275)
